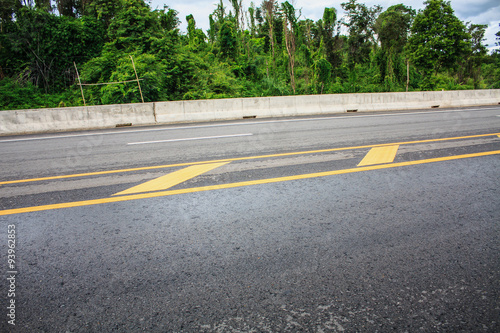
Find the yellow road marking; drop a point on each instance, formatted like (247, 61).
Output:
(239, 184)
(380, 155)
(97, 173)
(172, 179)
(239, 159)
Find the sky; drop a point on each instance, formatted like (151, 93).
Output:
(477, 12)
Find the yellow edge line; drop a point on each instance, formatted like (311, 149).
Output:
(239, 184)
(239, 159)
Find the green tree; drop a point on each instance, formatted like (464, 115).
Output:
(392, 27)
(332, 43)
(323, 70)
(149, 69)
(497, 43)
(237, 12)
(43, 46)
(471, 67)
(104, 10)
(438, 41)
(196, 36)
(7, 9)
(360, 23)
(289, 31)
(67, 7)
(228, 40)
(270, 9)
(42, 5)
(133, 27)
(216, 19)
(168, 18)
(191, 28)
(251, 12)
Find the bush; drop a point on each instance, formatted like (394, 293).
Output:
(27, 96)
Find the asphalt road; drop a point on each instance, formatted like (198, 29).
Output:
(366, 222)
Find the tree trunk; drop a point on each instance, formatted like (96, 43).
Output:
(290, 48)
(407, 74)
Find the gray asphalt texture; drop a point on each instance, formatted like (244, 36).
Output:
(407, 249)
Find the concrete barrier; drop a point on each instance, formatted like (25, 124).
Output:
(75, 118)
(260, 107)
(79, 118)
(255, 106)
(169, 112)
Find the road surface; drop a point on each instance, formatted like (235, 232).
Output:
(355, 222)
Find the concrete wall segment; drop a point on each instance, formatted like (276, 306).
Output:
(169, 112)
(255, 106)
(282, 106)
(74, 118)
(227, 108)
(306, 105)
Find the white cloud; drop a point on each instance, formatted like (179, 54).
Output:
(491, 17)
(468, 9)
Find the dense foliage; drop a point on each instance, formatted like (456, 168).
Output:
(264, 50)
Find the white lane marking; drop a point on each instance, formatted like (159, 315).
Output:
(240, 124)
(191, 139)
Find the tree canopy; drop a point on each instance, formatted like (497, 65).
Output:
(438, 38)
(267, 49)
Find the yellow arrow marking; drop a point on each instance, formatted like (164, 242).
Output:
(380, 155)
(172, 179)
